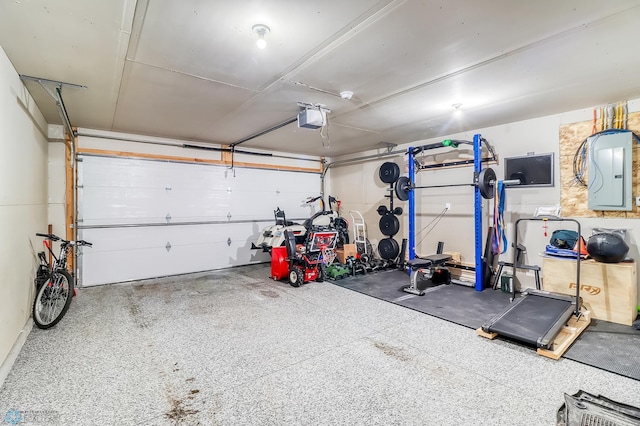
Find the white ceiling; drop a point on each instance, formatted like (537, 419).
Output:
(191, 70)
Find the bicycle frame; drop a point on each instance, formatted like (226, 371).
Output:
(60, 261)
(55, 285)
(46, 269)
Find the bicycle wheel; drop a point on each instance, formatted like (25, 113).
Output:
(53, 300)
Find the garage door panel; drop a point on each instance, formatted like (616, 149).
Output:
(252, 204)
(263, 203)
(185, 176)
(123, 172)
(106, 204)
(130, 173)
(125, 254)
(245, 180)
(142, 205)
(112, 205)
(132, 210)
(120, 266)
(195, 205)
(114, 239)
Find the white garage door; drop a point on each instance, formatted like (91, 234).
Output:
(150, 218)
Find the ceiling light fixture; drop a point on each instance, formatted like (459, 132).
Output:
(261, 30)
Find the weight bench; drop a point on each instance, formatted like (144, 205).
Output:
(418, 266)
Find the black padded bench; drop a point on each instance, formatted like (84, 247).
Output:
(418, 266)
(429, 261)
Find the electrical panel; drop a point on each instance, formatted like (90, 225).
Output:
(610, 171)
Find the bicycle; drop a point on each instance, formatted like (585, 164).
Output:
(54, 283)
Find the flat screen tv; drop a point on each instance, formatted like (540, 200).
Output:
(531, 170)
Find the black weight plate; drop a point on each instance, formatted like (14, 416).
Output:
(388, 248)
(397, 211)
(382, 210)
(389, 225)
(389, 172)
(486, 181)
(402, 188)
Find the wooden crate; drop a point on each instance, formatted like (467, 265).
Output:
(456, 257)
(608, 290)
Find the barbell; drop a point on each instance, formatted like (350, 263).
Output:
(485, 181)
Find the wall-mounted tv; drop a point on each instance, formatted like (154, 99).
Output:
(531, 170)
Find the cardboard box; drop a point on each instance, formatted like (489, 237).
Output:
(608, 290)
(346, 251)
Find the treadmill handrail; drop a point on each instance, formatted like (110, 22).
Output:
(549, 219)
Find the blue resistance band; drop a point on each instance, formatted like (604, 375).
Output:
(500, 236)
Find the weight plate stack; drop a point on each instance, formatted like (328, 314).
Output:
(388, 248)
(389, 172)
(389, 225)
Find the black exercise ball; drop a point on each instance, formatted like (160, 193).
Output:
(607, 247)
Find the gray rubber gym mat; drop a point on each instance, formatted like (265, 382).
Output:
(608, 346)
(459, 304)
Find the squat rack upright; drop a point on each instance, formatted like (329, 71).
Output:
(477, 204)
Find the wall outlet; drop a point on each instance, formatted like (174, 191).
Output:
(447, 206)
(638, 201)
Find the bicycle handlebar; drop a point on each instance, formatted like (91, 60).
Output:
(53, 237)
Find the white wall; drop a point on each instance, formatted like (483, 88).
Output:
(23, 201)
(360, 188)
(56, 188)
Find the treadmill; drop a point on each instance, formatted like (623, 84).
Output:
(537, 317)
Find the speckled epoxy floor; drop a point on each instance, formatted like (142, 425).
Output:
(234, 347)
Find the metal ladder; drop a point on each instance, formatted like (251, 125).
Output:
(359, 230)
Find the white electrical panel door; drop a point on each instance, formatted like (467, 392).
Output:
(610, 171)
(610, 163)
(149, 218)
